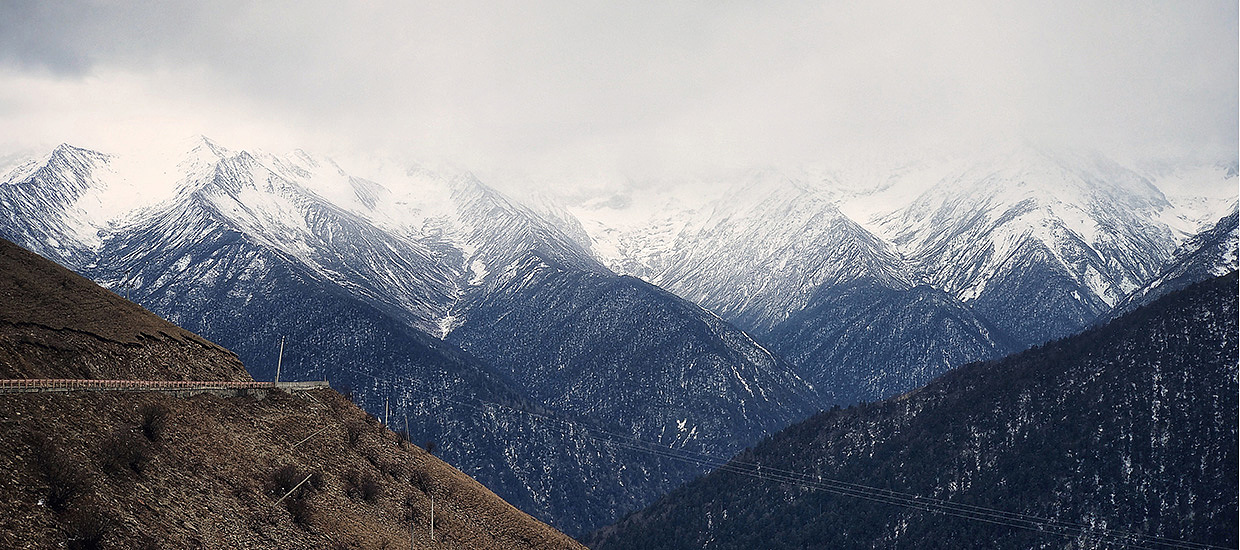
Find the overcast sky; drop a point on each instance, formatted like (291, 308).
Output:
(637, 87)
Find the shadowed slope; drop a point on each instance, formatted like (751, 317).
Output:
(1130, 427)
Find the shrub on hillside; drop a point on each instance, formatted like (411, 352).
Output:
(422, 479)
(154, 421)
(87, 529)
(124, 452)
(284, 479)
(304, 511)
(362, 486)
(354, 431)
(65, 478)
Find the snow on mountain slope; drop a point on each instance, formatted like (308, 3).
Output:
(501, 230)
(1028, 245)
(403, 276)
(631, 227)
(1039, 243)
(52, 204)
(774, 254)
(1208, 254)
(1200, 193)
(757, 255)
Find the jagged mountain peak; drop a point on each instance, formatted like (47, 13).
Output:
(53, 204)
(500, 230)
(66, 170)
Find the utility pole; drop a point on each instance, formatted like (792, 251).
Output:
(385, 411)
(280, 359)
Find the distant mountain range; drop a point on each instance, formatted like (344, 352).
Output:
(518, 332)
(1019, 247)
(248, 249)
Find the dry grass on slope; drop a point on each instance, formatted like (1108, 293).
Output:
(150, 470)
(44, 305)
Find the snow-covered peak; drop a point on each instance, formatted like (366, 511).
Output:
(54, 205)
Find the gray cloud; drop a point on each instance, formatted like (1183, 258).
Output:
(574, 87)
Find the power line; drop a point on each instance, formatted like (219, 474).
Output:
(836, 486)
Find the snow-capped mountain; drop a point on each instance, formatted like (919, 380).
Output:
(1040, 243)
(443, 297)
(405, 277)
(52, 204)
(775, 254)
(358, 275)
(759, 254)
(1020, 247)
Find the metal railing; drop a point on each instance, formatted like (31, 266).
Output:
(62, 384)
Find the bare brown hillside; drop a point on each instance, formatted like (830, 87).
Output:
(57, 324)
(80, 469)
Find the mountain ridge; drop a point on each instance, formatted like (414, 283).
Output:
(1121, 431)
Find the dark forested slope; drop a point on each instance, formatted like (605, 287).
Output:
(1131, 427)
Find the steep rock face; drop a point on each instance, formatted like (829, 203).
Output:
(624, 353)
(1110, 437)
(867, 342)
(1038, 243)
(1208, 254)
